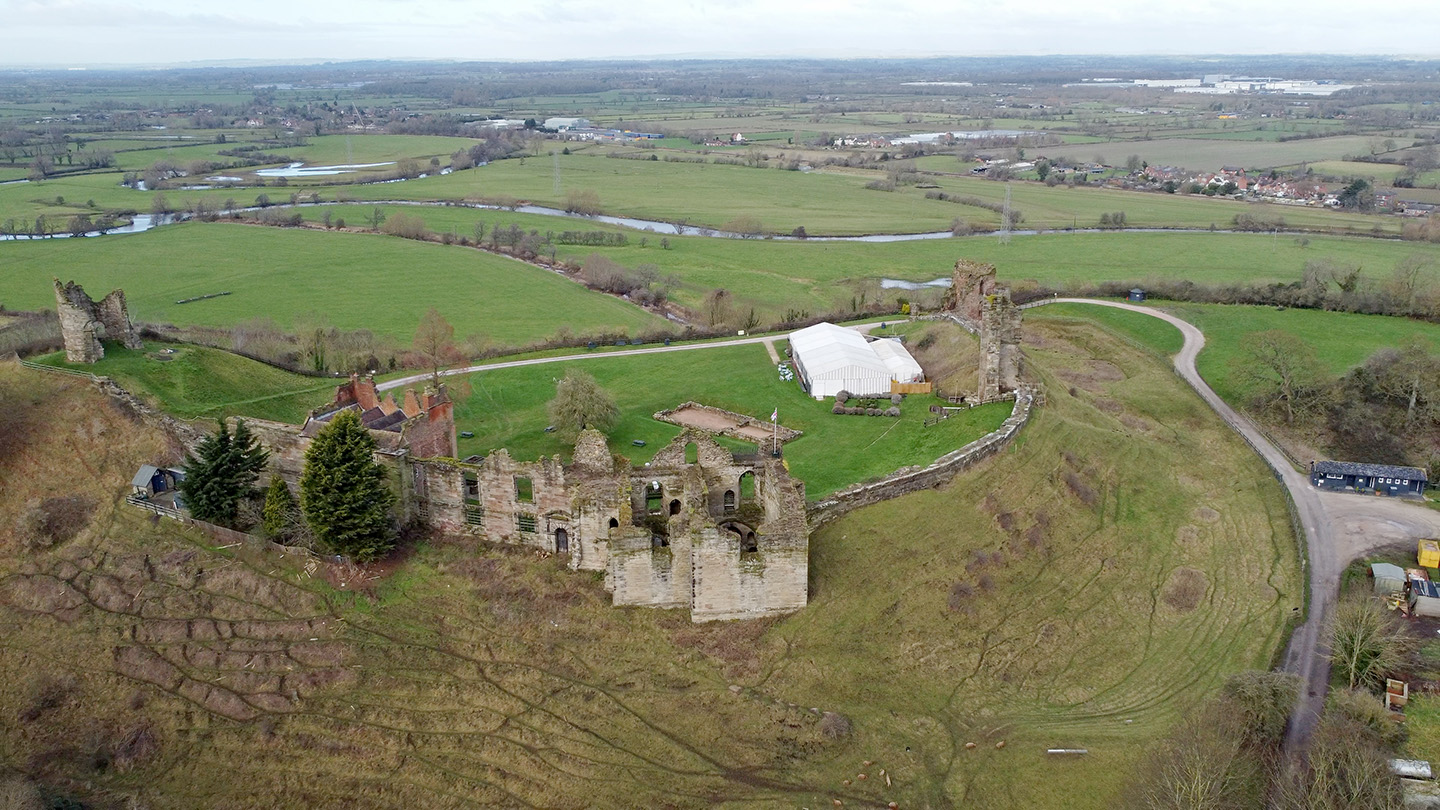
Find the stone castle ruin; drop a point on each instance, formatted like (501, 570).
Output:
(697, 527)
(985, 309)
(84, 323)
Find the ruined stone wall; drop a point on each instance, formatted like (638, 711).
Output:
(287, 447)
(432, 434)
(83, 323)
(1000, 336)
(79, 327)
(914, 479)
(115, 315)
(972, 283)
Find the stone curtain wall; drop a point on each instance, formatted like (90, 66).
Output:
(912, 479)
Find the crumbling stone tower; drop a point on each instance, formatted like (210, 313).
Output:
(973, 283)
(999, 345)
(84, 323)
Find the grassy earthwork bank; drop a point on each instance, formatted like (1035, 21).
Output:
(194, 381)
(506, 409)
(1083, 589)
(353, 281)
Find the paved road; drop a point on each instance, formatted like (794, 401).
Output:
(570, 358)
(1339, 527)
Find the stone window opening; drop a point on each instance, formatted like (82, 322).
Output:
(654, 498)
(729, 500)
(614, 523)
(472, 488)
(747, 487)
(675, 507)
(524, 490)
(525, 523)
(692, 453)
(474, 515)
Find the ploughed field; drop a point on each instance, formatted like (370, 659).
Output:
(1082, 589)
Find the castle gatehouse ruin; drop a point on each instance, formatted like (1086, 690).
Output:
(985, 309)
(84, 323)
(721, 534)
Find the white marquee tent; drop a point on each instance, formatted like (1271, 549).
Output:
(831, 359)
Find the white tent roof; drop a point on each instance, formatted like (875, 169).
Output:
(902, 366)
(827, 350)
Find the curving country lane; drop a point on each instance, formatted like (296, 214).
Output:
(1339, 527)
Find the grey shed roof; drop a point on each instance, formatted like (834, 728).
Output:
(142, 478)
(1388, 571)
(1370, 470)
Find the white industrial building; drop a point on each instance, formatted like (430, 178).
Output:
(564, 124)
(831, 359)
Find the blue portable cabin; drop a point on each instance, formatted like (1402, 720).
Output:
(1137, 294)
(1381, 479)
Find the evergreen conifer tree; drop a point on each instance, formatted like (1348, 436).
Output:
(221, 473)
(280, 512)
(343, 492)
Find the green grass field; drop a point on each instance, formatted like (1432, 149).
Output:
(772, 276)
(1341, 340)
(824, 202)
(200, 382)
(357, 281)
(506, 408)
(1212, 153)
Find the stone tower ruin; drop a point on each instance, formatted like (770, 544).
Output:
(999, 345)
(84, 323)
(972, 283)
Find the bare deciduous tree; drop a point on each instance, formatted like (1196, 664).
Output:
(1283, 371)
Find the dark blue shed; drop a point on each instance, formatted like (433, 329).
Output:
(1381, 479)
(1137, 294)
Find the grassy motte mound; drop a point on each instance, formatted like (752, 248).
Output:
(195, 381)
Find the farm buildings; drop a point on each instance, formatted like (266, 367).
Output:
(831, 359)
(1382, 479)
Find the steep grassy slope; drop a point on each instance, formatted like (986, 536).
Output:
(1081, 589)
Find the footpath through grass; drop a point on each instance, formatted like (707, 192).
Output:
(195, 381)
(506, 409)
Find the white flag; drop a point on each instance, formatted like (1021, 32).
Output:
(775, 415)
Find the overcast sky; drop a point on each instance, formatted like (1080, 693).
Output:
(96, 32)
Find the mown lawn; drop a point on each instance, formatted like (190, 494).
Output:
(353, 281)
(506, 409)
(200, 382)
